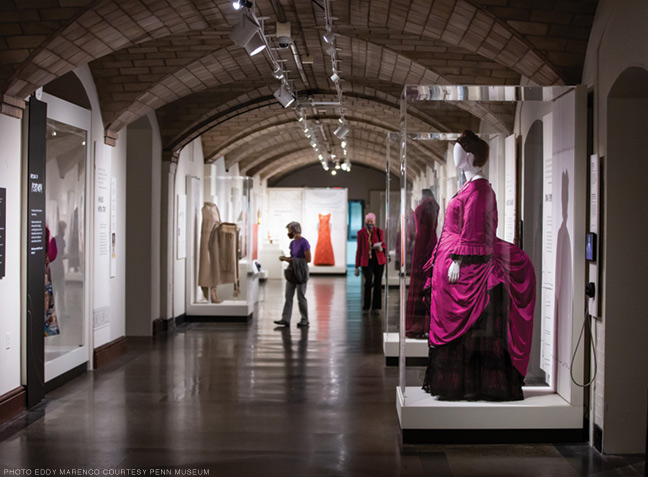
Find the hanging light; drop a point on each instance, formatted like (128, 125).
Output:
(329, 37)
(244, 31)
(238, 4)
(279, 74)
(335, 77)
(285, 96)
(330, 50)
(333, 172)
(341, 131)
(343, 144)
(255, 45)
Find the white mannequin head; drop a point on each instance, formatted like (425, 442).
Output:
(470, 153)
(465, 160)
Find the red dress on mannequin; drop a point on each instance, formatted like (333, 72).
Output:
(324, 248)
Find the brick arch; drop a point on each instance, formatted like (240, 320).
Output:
(459, 23)
(106, 26)
(285, 128)
(273, 151)
(222, 70)
(297, 159)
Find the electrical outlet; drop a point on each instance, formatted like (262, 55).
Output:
(8, 341)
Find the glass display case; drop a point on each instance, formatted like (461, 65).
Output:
(67, 327)
(222, 277)
(552, 402)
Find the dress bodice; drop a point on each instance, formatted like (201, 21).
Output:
(471, 220)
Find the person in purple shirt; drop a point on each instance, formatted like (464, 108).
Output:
(296, 276)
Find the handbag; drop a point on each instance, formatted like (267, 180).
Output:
(289, 274)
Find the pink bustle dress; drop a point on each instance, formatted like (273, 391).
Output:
(481, 326)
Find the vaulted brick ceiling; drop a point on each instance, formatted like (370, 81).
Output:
(175, 57)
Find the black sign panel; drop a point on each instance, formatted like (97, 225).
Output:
(3, 233)
(36, 244)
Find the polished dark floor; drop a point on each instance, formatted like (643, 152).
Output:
(255, 400)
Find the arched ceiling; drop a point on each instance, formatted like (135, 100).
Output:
(175, 58)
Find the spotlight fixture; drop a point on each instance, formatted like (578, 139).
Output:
(278, 73)
(335, 77)
(341, 131)
(333, 172)
(343, 144)
(285, 96)
(329, 36)
(238, 4)
(337, 165)
(330, 50)
(244, 31)
(255, 45)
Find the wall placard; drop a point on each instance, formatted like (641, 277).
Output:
(181, 224)
(3, 222)
(113, 227)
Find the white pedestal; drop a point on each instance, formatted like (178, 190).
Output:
(269, 260)
(541, 411)
(414, 348)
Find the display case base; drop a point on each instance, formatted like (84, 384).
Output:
(543, 416)
(416, 350)
(228, 311)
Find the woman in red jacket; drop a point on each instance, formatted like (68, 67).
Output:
(370, 255)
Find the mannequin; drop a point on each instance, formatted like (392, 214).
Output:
(482, 295)
(417, 322)
(465, 161)
(219, 246)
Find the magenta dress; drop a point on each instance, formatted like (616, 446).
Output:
(481, 326)
(417, 322)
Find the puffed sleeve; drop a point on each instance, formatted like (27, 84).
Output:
(479, 221)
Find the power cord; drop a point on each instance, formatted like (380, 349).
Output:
(586, 321)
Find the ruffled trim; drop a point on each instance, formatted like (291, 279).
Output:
(472, 249)
(472, 259)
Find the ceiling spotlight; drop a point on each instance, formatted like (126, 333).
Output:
(285, 96)
(335, 77)
(244, 31)
(330, 50)
(337, 165)
(333, 172)
(320, 157)
(238, 4)
(329, 36)
(279, 74)
(343, 166)
(341, 131)
(343, 144)
(255, 45)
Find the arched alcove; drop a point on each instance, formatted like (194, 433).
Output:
(625, 264)
(69, 88)
(532, 234)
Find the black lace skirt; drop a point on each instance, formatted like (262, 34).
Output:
(477, 366)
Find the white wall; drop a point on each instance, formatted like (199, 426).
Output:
(190, 163)
(106, 290)
(10, 285)
(618, 40)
